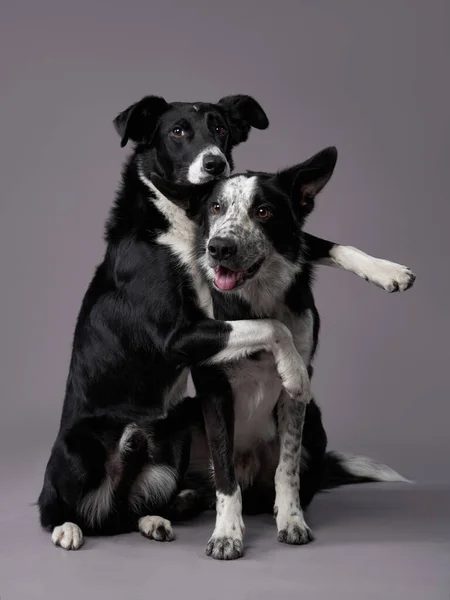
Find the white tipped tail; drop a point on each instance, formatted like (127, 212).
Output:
(342, 469)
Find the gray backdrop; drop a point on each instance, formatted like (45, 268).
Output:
(370, 77)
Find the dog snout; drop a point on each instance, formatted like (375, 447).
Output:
(222, 248)
(214, 164)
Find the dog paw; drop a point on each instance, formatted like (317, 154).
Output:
(68, 536)
(295, 532)
(156, 528)
(391, 276)
(225, 548)
(297, 384)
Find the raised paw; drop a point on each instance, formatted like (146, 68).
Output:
(297, 385)
(68, 536)
(390, 276)
(295, 532)
(225, 548)
(156, 528)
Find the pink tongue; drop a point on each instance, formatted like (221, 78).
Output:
(225, 279)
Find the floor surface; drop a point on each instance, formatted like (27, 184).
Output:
(372, 542)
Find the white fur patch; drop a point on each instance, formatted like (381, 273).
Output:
(180, 239)
(256, 389)
(97, 504)
(154, 485)
(237, 195)
(226, 542)
(362, 466)
(385, 274)
(124, 442)
(248, 337)
(68, 536)
(156, 528)
(197, 173)
(229, 520)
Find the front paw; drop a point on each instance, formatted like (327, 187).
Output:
(225, 547)
(391, 276)
(295, 532)
(156, 528)
(68, 536)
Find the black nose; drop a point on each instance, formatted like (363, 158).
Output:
(214, 164)
(222, 248)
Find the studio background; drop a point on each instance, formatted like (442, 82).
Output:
(368, 77)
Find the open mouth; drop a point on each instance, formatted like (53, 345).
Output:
(226, 279)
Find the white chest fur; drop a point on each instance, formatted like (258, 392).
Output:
(180, 239)
(257, 387)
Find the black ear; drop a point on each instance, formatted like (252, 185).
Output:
(187, 195)
(138, 122)
(243, 112)
(304, 181)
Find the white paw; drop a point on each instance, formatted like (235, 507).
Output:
(293, 530)
(227, 540)
(69, 536)
(297, 385)
(390, 276)
(292, 370)
(156, 528)
(226, 547)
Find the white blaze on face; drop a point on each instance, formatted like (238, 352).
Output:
(197, 173)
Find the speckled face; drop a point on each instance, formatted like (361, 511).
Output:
(248, 221)
(251, 224)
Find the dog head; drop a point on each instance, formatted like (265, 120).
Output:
(189, 142)
(251, 223)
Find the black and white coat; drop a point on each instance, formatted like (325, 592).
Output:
(145, 322)
(252, 251)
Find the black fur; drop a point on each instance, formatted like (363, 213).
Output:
(139, 327)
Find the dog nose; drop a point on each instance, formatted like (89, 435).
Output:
(222, 248)
(214, 164)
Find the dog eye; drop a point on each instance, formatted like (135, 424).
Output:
(215, 208)
(263, 212)
(178, 131)
(221, 130)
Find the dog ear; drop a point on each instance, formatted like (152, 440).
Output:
(186, 195)
(138, 122)
(243, 112)
(303, 182)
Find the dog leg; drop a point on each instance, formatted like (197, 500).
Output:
(385, 274)
(291, 525)
(227, 540)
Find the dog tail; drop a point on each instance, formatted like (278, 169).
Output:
(345, 469)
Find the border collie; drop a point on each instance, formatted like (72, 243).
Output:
(146, 319)
(251, 250)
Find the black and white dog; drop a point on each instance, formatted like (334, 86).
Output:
(146, 320)
(252, 251)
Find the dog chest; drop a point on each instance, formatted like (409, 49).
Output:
(257, 386)
(256, 389)
(180, 240)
